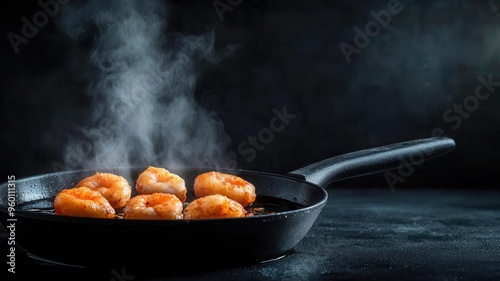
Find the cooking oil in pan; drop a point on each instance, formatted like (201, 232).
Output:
(264, 205)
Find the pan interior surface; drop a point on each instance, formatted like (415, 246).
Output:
(278, 194)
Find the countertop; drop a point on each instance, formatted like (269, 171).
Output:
(361, 234)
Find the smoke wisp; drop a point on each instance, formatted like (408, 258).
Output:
(143, 107)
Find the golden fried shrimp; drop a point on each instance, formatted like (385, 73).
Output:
(82, 202)
(155, 206)
(231, 186)
(159, 180)
(114, 188)
(214, 206)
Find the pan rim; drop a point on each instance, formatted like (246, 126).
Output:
(117, 222)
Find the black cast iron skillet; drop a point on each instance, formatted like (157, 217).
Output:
(295, 201)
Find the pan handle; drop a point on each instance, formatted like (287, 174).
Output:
(374, 160)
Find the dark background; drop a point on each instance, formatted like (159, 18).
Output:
(288, 53)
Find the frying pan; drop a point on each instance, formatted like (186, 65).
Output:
(294, 201)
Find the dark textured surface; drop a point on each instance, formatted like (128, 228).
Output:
(423, 64)
(364, 234)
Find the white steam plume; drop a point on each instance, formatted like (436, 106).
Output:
(144, 111)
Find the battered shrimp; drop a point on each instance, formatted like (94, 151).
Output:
(159, 180)
(231, 186)
(213, 206)
(114, 188)
(82, 202)
(155, 206)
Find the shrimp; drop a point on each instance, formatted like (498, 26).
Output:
(153, 207)
(231, 186)
(159, 180)
(213, 206)
(82, 202)
(114, 188)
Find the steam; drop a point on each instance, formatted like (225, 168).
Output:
(143, 106)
